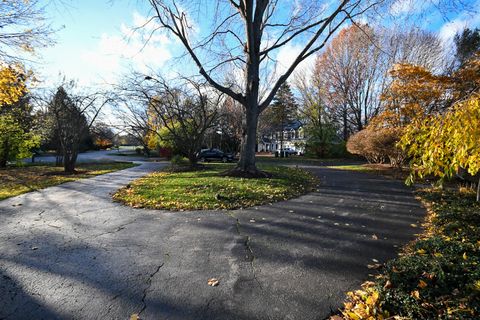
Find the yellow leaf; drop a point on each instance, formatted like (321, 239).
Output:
(415, 294)
(353, 316)
(134, 317)
(421, 251)
(464, 256)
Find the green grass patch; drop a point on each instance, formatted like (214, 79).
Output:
(384, 170)
(269, 159)
(207, 189)
(353, 167)
(438, 275)
(21, 179)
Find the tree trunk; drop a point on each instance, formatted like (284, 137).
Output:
(4, 154)
(68, 164)
(249, 140)
(69, 161)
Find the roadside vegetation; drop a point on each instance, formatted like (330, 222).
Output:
(16, 180)
(209, 189)
(437, 276)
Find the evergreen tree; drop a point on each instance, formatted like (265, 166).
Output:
(283, 110)
(467, 44)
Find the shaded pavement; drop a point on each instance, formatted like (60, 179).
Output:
(70, 252)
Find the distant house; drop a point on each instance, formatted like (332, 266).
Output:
(293, 138)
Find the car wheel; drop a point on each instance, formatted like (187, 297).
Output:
(202, 159)
(224, 159)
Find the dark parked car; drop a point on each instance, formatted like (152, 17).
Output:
(287, 151)
(206, 155)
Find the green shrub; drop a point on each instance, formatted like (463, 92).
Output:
(178, 160)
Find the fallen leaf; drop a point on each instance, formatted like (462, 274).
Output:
(34, 248)
(413, 225)
(213, 282)
(374, 237)
(464, 256)
(415, 294)
(134, 317)
(422, 284)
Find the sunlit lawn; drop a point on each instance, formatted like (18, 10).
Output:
(20, 179)
(384, 170)
(208, 189)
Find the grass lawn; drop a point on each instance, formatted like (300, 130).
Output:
(207, 189)
(384, 170)
(269, 159)
(21, 179)
(437, 276)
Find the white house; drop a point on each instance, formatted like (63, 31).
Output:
(293, 138)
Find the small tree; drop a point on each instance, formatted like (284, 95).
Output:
(15, 142)
(71, 124)
(320, 130)
(179, 116)
(16, 139)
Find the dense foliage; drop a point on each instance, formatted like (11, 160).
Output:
(443, 143)
(16, 139)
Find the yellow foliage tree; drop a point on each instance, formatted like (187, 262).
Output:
(441, 144)
(12, 84)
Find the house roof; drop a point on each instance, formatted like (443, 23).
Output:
(294, 125)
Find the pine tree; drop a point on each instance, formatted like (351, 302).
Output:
(283, 110)
(467, 44)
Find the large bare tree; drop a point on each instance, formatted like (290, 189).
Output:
(248, 35)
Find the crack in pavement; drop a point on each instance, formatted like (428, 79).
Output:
(250, 255)
(149, 284)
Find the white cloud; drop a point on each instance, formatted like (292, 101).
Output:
(133, 47)
(287, 55)
(401, 7)
(450, 29)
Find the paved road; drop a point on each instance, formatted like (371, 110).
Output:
(69, 252)
(98, 156)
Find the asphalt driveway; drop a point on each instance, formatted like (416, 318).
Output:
(69, 252)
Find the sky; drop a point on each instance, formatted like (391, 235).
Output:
(96, 44)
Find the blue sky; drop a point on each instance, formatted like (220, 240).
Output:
(95, 43)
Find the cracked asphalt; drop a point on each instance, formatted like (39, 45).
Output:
(69, 252)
